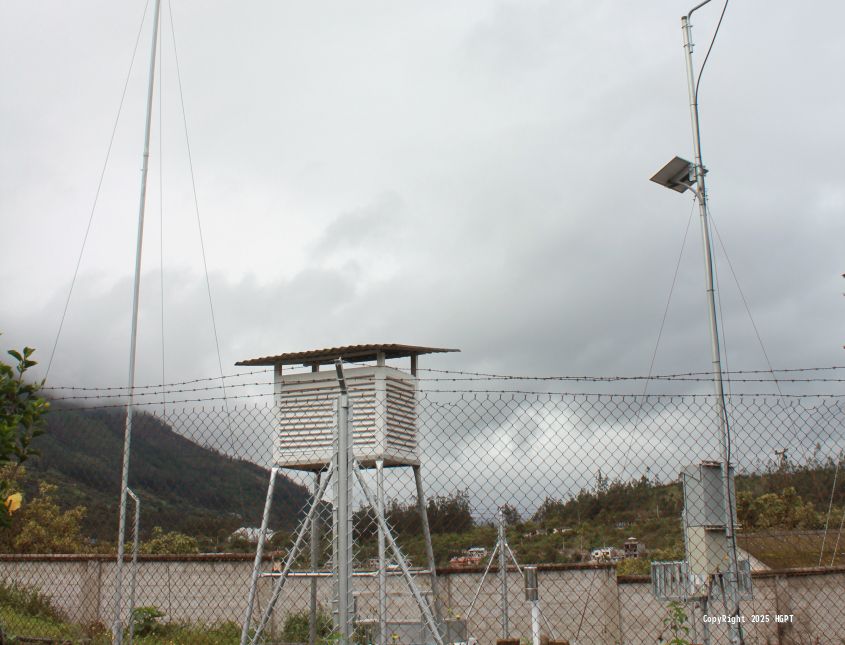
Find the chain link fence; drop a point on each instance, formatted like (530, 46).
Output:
(619, 501)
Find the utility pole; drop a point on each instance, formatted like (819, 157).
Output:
(735, 629)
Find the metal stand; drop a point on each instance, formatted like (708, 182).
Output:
(341, 471)
(503, 549)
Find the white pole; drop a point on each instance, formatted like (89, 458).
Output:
(733, 598)
(503, 575)
(117, 628)
(344, 542)
(382, 581)
(535, 622)
(532, 595)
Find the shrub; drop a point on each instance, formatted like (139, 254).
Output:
(29, 601)
(295, 629)
(168, 543)
(145, 620)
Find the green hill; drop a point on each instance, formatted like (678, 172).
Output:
(183, 486)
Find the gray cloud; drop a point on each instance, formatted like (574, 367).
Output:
(470, 176)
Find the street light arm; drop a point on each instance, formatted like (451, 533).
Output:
(696, 8)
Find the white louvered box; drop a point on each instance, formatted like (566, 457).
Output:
(383, 416)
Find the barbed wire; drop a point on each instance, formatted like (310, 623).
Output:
(157, 386)
(169, 388)
(675, 376)
(159, 393)
(502, 394)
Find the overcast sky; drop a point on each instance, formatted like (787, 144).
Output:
(459, 174)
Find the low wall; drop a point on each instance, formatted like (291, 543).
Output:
(582, 603)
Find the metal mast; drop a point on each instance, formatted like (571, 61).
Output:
(117, 628)
(733, 596)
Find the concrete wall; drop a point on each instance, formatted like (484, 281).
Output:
(582, 603)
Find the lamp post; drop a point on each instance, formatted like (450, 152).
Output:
(680, 175)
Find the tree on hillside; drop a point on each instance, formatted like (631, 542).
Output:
(21, 412)
(171, 542)
(511, 515)
(784, 510)
(45, 528)
(446, 514)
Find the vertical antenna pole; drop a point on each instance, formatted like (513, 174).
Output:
(735, 629)
(503, 574)
(117, 627)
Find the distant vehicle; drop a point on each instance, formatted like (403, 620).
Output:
(606, 554)
(389, 565)
(472, 557)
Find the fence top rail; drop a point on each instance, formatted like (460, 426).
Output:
(249, 558)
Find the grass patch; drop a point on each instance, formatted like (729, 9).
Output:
(175, 634)
(18, 623)
(27, 612)
(791, 549)
(29, 601)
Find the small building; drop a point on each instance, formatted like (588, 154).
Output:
(251, 534)
(633, 548)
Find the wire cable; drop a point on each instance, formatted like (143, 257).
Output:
(744, 300)
(669, 299)
(202, 243)
(97, 193)
(829, 510)
(709, 49)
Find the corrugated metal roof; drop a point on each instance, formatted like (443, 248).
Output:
(349, 353)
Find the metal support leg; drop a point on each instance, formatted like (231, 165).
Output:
(259, 554)
(429, 549)
(481, 582)
(382, 566)
(428, 617)
(315, 563)
(292, 555)
(705, 625)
